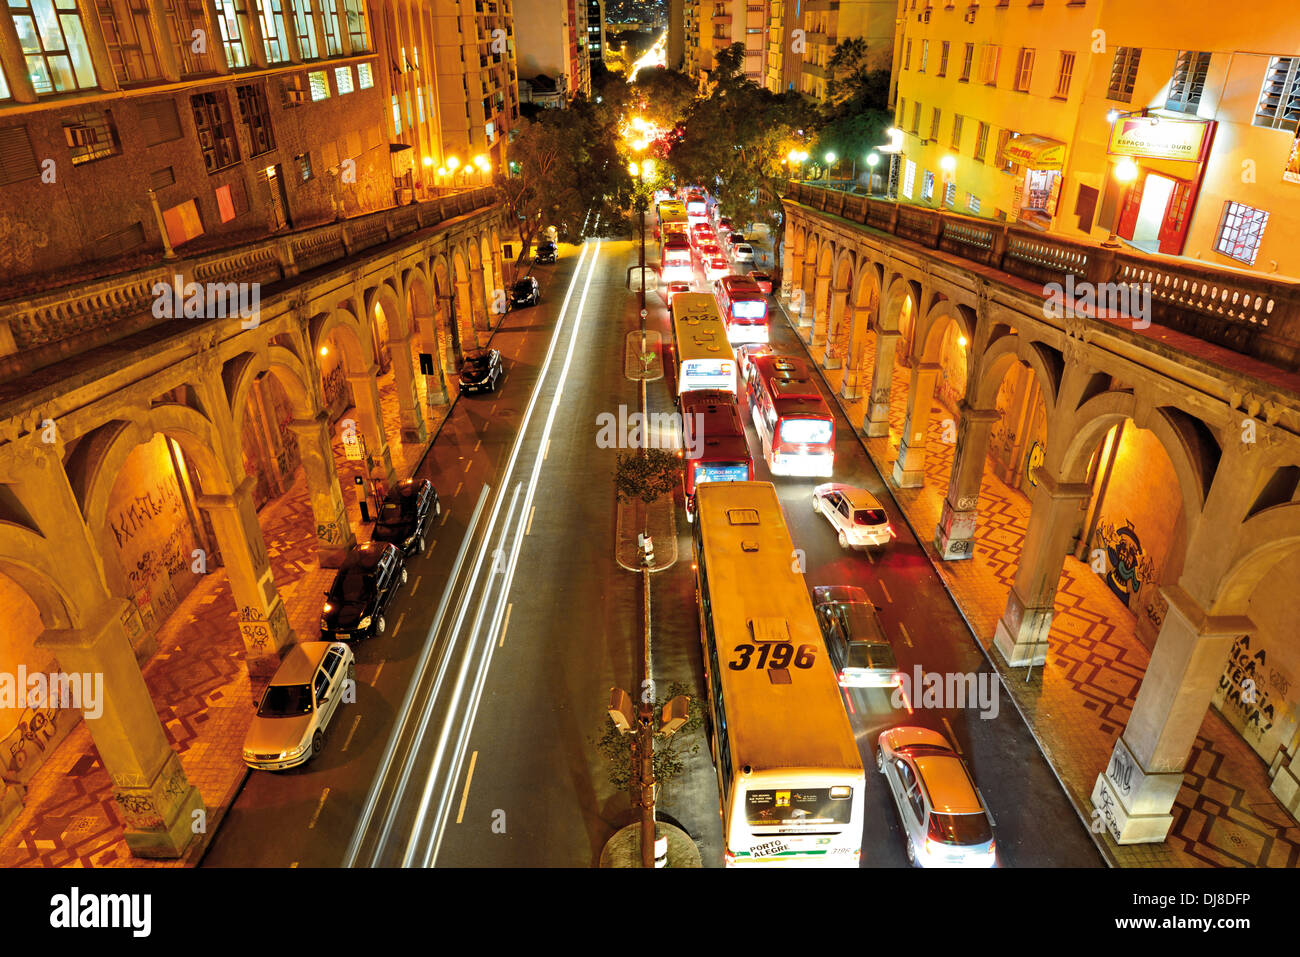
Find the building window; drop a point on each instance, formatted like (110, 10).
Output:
(159, 121)
(216, 130)
(1188, 83)
(4, 86)
(343, 79)
(1240, 231)
(1024, 69)
(925, 56)
(232, 18)
(981, 141)
(419, 103)
(129, 36)
(950, 194)
(1005, 137)
(365, 76)
(272, 17)
(330, 21)
(358, 37)
(956, 132)
(91, 134)
(972, 202)
(186, 19)
(257, 118)
(303, 161)
(183, 222)
(934, 124)
(992, 55)
(397, 117)
(916, 117)
(907, 57)
(319, 81)
(304, 29)
(927, 186)
(1279, 100)
(943, 59)
(58, 58)
(909, 178)
(1064, 73)
(1123, 74)
(967, 62)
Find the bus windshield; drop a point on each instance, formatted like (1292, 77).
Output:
(806, 431)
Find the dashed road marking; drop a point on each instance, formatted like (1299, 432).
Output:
(469, 465)
(906, 637)
(447, 514)
(504, 625)
(355, 721)
(375, 680)
(888, 597)
(529, 529)
(460, 815)
(398, 627)
(416, 586)
(323, 796)
(476, 446)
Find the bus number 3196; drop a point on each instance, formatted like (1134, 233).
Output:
(778, 655)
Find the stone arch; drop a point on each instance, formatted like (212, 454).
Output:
(997, 358)
(429, 334)
(865, 300)
(838, 328)
(931, 328)
(27, 559)
(1263, 540)
(463, 302)
(477, 293)
(898, 291)
(815, 314)
(346, 331)
(287, 369)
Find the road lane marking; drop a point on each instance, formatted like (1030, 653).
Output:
(529, 529)
(459, 486)
(494, 408)
(398, 627)
(906, 637)
(323, 795)
(447, 514)
(469, 465)
(504, 625)
(416, 586)
(355, 721)
(477, 444)
(432, 545)
(460, 815)
(888, 597)
(951, 736)
(547, 450)
(375, 680)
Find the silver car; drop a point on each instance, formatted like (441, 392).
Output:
(743, 253)
(942, 813)
(854, 513)
(296, 708)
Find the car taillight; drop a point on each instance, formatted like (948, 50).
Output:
(728, 857)
(897, 679)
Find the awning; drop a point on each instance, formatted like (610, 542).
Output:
(1034, 152)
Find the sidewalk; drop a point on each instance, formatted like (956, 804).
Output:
(198, 683)
(1077, 704)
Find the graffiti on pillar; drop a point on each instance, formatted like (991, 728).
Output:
(256, 634)
(134, 515)
(1129, 566)
(880, 396)
(1032, 461)
(329, 532)
(1121, 770)
(140, 812)
(1155, 609)
(1243, 694)
(36, 732)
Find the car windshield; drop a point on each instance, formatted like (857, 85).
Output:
(872, 654)
(523, 287)
(959, 828)
(869, 516)
(285, 701)
(352, 586)
(392, 512)
(477, 363)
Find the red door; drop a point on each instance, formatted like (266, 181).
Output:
(1173, 228)
(1128, 213)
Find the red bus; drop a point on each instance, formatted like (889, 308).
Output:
(697, 208)
(793, 422)
(743, 308)
(675, 260)
(714, 440)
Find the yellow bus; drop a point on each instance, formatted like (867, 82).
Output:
(702, 356)
(789, 772)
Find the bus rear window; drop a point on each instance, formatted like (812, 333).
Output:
(806, 431)
(804, 806)
(748, 309)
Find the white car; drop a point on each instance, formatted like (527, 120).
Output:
(942, 813)
(854, 513)
(743, 253)
(297, 706)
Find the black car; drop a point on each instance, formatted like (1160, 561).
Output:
(480, 371)
(546, 252)
(734, 238)
(525, 292)
(363, 588)
(404, 516)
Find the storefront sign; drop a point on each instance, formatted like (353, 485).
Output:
(1165, 139)
(1033, 152)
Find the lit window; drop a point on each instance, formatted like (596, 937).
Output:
(4, 86)
(130, 39)
(304, 30)
(1188, 82)
(1024, 70)
(950, 194)
(397, 117)
(319, 81)
(58, 58)
(972, 202)
(927, 185)
(343, 79)
(272, 19)
(419, 103)
(304, 166)
(232, 18)
(909, 179)
(365, 77)
(1123, 74)
(330, 21)
(1279, 100)
(1240, 232)
(91, 135)
(355, 10)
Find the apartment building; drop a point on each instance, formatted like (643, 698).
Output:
(826, 22)
(714, 25)
(596, 32)
(555, 43)
(1177, 134)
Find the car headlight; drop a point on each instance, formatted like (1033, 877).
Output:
(409, 540)
(293, 753)
(365, 622)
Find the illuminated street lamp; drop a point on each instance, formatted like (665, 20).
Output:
(1125, 172)
(872, 160)
(948, 163)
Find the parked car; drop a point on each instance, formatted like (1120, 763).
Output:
(724, 225)
(715, 266)
(857, 643)
(364, 587)
(673, 288)
(404, 516)
(546, 252)
(943, 816)
(525, 292)
(480, 371)
(854, 513)
(296, 707)
(734, 238)
(743, 253)
(764, 281)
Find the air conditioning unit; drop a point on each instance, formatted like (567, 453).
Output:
(81, 136)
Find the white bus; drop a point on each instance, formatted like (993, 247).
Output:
(702, 356)
(789, 771)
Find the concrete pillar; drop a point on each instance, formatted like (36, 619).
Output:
(370, 418)
(807, 289)
(1055, 522)
(838, 331)
(955, 534)
(15, 63)
(464, 312)
(791, 269)
(333, 530)
(876, 422)
(408, 399)
(1136, 792)
(154, 797)
(851, 384)
(909, 467)
(426, 331)
(105, 78)
(263, 619)
(482, 321)
(1285, 771)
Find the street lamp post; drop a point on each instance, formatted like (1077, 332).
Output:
(638, 170)
(872, 160)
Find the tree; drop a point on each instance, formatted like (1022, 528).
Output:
(663, 96)
(669, 752)
(646, 477)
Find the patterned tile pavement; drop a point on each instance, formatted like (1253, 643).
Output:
(199, 685)
(1078, 703)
